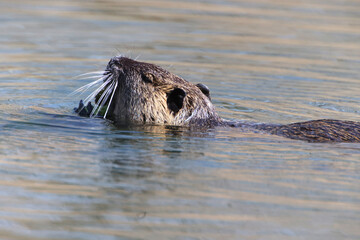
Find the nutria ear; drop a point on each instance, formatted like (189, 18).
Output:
(175, 99)
(204, 89)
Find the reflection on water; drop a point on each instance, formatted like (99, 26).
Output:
(67, 177)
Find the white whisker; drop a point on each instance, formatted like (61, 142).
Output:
(106, 97)
(91, 73)
(87, 86)
(112, 95)
(137, 57)
(93, 77)
(101, 100)
(93, 94)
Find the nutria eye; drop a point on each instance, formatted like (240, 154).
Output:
(204, 89)
(175, 99)
(148, 77)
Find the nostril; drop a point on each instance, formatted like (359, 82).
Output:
(114, 64)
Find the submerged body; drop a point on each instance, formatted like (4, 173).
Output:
(133, 92)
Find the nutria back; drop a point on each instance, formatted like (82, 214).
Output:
(133, 92)
(323, 130)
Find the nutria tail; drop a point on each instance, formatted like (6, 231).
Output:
(324, 130)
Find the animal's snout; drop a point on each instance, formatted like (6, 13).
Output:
(115, 63)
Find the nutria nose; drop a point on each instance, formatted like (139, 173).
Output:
(121, 62)
(114, 63)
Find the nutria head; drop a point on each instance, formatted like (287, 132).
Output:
(143, 93)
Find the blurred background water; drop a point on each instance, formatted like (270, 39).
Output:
(67, 177)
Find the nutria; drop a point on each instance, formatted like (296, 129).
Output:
(133, 92)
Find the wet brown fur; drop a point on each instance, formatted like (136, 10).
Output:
(143, 93)
(324, 130)
(142, 97)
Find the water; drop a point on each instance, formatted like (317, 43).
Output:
(67, 177)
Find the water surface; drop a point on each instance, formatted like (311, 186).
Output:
(67, 177)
